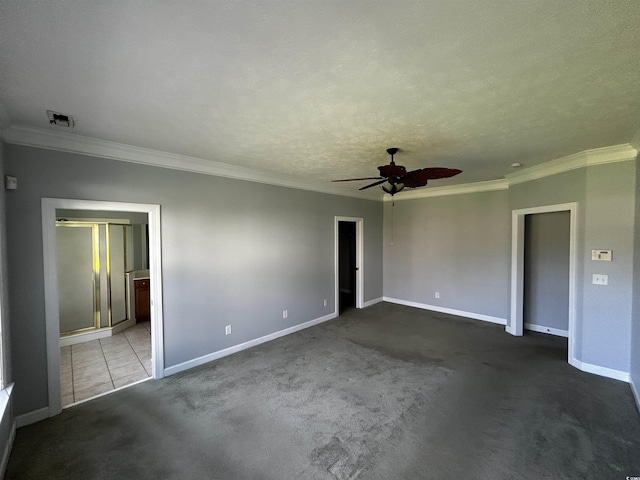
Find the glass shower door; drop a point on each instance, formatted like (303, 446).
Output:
(77, 277)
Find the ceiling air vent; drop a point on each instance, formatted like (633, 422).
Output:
(60, 119)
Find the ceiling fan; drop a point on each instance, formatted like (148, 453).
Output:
(397, 177)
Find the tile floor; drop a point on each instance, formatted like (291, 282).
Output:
(91, 368)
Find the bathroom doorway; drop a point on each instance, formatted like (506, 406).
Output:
(105, 342)
(145, 338)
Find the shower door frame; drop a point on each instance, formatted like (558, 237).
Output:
(49, 207)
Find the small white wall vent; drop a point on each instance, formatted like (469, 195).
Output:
(60, 119)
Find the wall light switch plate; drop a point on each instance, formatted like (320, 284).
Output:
(227, 330)
(602, 255)
(599, 279)
(10, 183)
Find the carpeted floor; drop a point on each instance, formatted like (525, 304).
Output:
(388, 392)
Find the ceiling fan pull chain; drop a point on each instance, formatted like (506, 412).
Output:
(393, 207)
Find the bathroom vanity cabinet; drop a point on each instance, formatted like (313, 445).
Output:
(143, 307)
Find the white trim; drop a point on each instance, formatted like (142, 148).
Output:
(359, 260)
(243, 346)
(49, 206)
(550, 330)
(69, 142)
(586, 158)
(451, 311)
(94, 147)
(460, 189)
(32, 417)
(96, 334)
(515, 325)
(598, 370)
(516, 319)
(369, 303)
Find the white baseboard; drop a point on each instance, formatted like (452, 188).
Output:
(598, 370)
(32, 417)
(243, 346)
(451, 311)
(549, 330)
(372, 302)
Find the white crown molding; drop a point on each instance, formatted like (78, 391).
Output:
(586, 158)
(68, 142)
(488, 186)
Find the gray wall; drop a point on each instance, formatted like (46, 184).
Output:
(609, 224)
(233, 252)
(635, 328)
(458, 245)
(546, 270)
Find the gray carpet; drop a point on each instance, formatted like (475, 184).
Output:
(388, 392)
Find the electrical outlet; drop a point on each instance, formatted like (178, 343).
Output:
(598, 279)
(227, 330)
(285, 313)
(437, 294)
(325, 302)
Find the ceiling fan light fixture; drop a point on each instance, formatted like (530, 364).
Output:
(392, 189)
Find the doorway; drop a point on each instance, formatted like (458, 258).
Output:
(347, 266)
(348, 263)
(515, 325)
(50, 207)
(546, 273)
(105, 343)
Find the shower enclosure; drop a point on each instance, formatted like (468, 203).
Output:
(93, 258)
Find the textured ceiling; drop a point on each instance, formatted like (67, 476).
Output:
(319, 89)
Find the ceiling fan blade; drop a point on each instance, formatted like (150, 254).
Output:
(373, 184)
(439, 172)
(356, 179)
(419, 178)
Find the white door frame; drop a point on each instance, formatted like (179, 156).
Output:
(359, 261)
(515, 326)
(49, 206)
